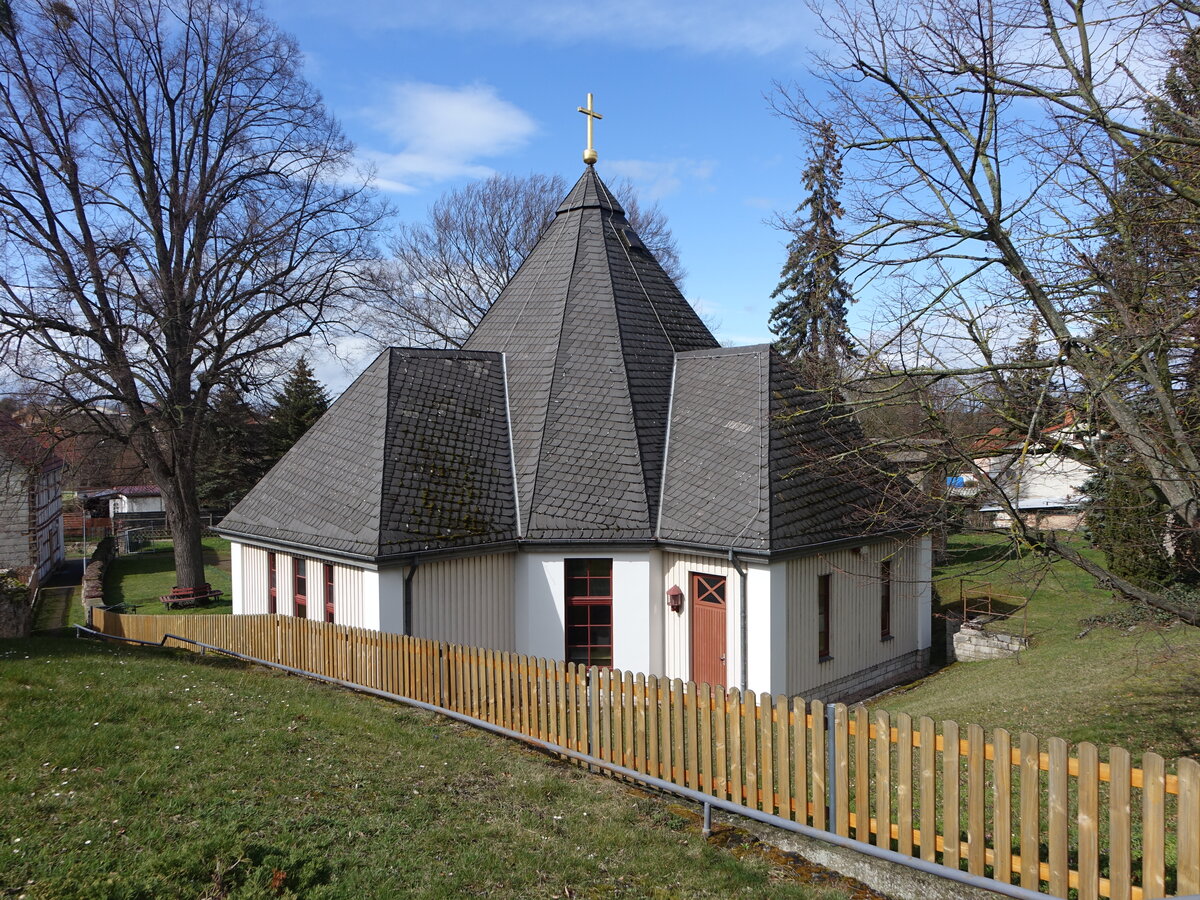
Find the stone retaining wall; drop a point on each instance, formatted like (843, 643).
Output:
(970, 643)
(93, 575)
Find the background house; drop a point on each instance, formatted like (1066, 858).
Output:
(128, 506)
(593, 478)
(1042, 479)
(31, 518)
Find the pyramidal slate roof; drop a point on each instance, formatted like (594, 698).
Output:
(414, 456)
(589, 327)
(754, 458)
(590, 404)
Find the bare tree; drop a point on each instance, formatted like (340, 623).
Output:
(177, 207)
(986, 143)
(450, 268)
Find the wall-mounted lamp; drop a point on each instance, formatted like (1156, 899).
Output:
(675, 598)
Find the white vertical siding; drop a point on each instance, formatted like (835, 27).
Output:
(469, 600)
(677, 627)
(250, 586)
(855, 643)
(250, 591)
(235, 577)
(283, 584)
(347, 595)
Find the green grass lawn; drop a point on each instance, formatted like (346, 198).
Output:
(59, 607)
(132, 773)
(1136, 685)
(142, 577)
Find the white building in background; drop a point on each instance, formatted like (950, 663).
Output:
(31, 514)
(1043, 480)
(592, 478)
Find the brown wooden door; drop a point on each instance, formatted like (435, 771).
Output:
(708, 628)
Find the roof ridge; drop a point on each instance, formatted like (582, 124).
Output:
(554, 372)
(389, 464)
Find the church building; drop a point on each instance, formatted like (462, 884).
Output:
(593, 478)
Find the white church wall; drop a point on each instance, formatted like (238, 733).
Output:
(236, 578)
(657, 614)
(249, 570)
(348, 596)
(250, 591)
(468, 601)
(389, 614)
(540, 593)
(766, 629)
(631, 611)
(370, 600)
(856, 644)
(541, 598)
(283, 584)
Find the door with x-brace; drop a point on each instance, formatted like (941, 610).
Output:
(708, 628)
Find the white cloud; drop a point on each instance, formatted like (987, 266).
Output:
(703, 26)
(656, 180)
(442, 133)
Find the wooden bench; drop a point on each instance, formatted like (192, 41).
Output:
(185, 598)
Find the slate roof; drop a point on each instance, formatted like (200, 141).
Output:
(414, 456)
(754, 458)
(551, 425)
(589, 326)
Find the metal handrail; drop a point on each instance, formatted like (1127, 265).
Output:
(709, 802)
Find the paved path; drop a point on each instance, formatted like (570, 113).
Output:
(60, 591)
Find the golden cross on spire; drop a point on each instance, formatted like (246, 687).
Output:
(589, 155)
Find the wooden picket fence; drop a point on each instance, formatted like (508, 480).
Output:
(1020, 810)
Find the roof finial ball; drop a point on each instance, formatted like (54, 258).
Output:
(589, 155)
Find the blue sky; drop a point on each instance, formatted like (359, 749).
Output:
(436, 94)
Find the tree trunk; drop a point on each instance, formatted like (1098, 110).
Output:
(183, 518)
(1107, 579)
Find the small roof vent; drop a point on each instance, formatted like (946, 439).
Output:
(632, 241)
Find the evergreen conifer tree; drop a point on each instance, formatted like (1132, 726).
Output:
(1149, 274)
(232, 459)
(809, 317)
(297, 407)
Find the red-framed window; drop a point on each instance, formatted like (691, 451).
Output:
(885, 599)
(300, 587)
(823, 623)
(589, 611)
(329, 597)
(271, 582)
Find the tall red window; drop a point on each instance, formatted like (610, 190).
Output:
(823, 625)
(885, 599)
(271, 590)
(329, 592)
(589, 611)
(300, 593)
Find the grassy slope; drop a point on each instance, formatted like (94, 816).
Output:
(59, 607)
(1137, 688)
(142, 577)
(149, 774)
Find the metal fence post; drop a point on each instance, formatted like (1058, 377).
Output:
(830, 766)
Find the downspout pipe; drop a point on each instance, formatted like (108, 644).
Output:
(743, 628)
(408, 598)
